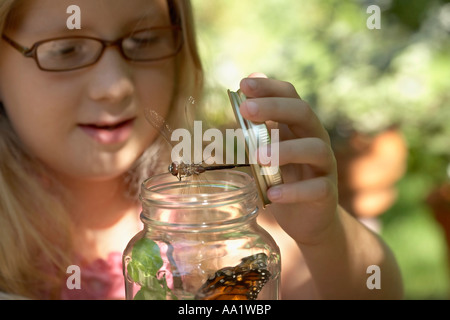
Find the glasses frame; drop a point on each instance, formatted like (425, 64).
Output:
(32, 51)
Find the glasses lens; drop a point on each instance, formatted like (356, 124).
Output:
(67, 54)
(152, 44)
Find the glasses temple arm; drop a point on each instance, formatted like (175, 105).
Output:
(23, 50)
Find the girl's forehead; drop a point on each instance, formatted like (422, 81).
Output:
(41, 17)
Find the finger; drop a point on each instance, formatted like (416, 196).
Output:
(311, 151)
(258, 75)
(319, 189)
(296, 113)
(272, 125)
(258, 85)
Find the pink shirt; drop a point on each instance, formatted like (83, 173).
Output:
(100, 280)
(103, 279)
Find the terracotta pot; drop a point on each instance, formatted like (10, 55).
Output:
(369, 168)
(439, 202)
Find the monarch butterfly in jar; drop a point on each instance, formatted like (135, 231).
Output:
(242, 282)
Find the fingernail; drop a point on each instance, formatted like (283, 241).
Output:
(251, 83)
(274, 194)
(252, 107)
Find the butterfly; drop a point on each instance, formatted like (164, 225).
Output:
(242, 282)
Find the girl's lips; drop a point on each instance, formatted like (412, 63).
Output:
(109, 134)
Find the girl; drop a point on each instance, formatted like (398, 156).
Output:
(75, 145)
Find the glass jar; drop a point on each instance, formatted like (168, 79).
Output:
(201, 241)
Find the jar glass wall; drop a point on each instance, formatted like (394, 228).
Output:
(201, 241)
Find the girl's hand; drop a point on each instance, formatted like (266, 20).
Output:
(306, 204)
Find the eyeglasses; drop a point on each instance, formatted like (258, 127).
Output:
(71, 53)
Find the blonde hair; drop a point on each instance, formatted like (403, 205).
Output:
(35, 227)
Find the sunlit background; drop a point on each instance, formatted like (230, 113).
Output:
(383, 94)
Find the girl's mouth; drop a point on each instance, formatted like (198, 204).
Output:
(109, 134)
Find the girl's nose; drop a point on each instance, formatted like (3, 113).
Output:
(111, 79)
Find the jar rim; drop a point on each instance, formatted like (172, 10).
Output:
(231, 186)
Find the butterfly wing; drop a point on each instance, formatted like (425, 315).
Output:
(242, 282)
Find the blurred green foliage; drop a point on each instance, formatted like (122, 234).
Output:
(366, 79)
(356, 79)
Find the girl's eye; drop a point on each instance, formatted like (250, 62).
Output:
(160, 41)
(143, 39)
(61, 49)
(67, 51)
(64, 54)
(144, 42)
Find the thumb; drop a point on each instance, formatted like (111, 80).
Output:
(257, 75)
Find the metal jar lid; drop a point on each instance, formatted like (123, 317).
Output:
(254, 133)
